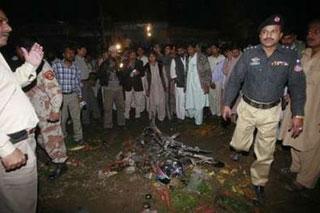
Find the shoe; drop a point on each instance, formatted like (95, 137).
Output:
(235, 156)
(260, 196)
(79, 142)
(58, 171)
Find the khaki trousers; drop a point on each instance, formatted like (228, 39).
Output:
(71, 104)
(306, 165)
(18, 188)
(266, 122)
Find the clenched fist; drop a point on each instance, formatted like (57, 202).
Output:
(14, 160)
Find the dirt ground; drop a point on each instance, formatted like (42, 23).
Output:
(82, 189)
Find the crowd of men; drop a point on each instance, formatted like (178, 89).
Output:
(257, 88)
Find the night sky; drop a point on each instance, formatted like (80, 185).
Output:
(206, 14)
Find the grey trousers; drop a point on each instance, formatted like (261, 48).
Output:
(71, 104)
(110, 96)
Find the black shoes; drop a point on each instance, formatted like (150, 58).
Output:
(79, 142)
(260, 196)
(235, 156)
(58, 171)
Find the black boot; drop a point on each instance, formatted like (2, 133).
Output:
(58, 171)
(235, 156)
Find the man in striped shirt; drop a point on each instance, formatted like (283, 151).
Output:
(68, 76)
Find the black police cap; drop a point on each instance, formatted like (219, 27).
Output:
(272, 20)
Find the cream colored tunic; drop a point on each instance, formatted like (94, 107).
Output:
(310, 137)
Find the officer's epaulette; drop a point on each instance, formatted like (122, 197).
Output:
(283, 47)
(250, 48)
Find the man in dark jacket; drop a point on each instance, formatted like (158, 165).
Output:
(110, 77)
(134, 96)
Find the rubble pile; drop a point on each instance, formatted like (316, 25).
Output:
(159, 156)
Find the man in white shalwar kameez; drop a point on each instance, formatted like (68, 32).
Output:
(178, 73)
(215, 92)
(196, 94)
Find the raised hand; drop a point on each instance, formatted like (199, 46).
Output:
(35, 55)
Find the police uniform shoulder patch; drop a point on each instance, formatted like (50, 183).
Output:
(49, 74)
(298, 66)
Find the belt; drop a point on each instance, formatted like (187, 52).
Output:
(21, 135)
(260, 105)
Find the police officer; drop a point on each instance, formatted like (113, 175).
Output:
(261, 74)
(18, 168)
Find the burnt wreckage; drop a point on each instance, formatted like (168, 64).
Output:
(156, 153)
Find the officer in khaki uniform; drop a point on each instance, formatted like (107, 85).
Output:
(18, 168)
(262, 73)
(46, 98)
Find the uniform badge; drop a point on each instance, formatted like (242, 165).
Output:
(277, 19)
(279, 63)
(49, 75)
(255, 61)
(298, 67)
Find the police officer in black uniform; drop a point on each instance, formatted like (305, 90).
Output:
(262, 73)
